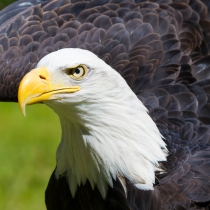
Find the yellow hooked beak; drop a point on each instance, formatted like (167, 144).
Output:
(36, 87)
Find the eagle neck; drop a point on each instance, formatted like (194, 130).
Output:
(106, 138)
(76, 159)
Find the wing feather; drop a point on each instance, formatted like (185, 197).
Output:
(161, 48)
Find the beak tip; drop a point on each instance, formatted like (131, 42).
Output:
(24, 114)
(22, 107)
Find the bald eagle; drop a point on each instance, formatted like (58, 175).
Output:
(129, 81)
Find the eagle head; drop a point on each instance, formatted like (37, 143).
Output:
(106, 130)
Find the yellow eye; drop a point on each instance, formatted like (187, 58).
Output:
(77, 73)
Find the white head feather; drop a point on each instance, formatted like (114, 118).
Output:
(106, 130)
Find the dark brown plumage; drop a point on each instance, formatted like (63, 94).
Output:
(161, 48)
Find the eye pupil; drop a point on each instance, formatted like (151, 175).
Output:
(77, 71)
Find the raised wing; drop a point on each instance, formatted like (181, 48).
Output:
(151, 43)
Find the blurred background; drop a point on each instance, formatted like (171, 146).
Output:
(4, 3)
(27, 153)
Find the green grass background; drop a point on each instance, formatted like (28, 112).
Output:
(27, 155)
(4, 3)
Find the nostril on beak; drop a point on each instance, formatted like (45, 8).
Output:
(42, 77)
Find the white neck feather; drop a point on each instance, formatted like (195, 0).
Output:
(106, 137)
